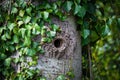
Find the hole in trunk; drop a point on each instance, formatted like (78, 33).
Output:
(58, 43)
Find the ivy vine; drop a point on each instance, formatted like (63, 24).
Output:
(21, 21)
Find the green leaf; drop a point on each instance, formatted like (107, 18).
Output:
(8, 36)
(11, 26)
(60, 77)
(68, 5)
(15, 39)
(28, 10)
(78, 1)
(2, 56)
(36, 29)
(7, 61)
(82, 12)
(27, 41)
(11, 48)
(94, 36)
(21, 13)
(42, 78)
(15, 30)
(77, 9)
(52, 33)
(1, 30)
(31, 52)
(30, 73)
(26, 19)
(85, 41)
(55, 27)
(4, 37)
(105, 30)
(54, 6)
(85, 33)
(14, 10)
(44, 40)
(15, 4)
(20, 23)
(45, 14)
(71, 74)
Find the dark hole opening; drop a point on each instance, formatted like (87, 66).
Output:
(58, 43)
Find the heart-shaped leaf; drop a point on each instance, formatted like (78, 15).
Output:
(68, 5)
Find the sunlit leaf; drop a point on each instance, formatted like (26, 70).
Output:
(20, 23)
(27, 41)
(60, 77)
(52, 33)
(27, 19)
(14, 10)
(11, 26)
(3, 37)
(45, 15)
(21, 13)
(77, 9)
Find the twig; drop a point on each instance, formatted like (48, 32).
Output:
(90, 63)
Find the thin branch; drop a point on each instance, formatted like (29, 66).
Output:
(90, 62)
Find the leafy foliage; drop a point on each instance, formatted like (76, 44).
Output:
(21, 21)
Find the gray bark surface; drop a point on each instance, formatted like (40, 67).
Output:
(61, 59)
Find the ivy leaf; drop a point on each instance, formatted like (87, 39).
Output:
(7, 35)
(11, 48)
(22, 31)
(54, 6)
(77, 9)
(15, 4)
(45, 14)
(27, 41)
(31, 52)
(70, 74)
(60, 77)
(15, 39)
(21, 13)
(55, 27)
(36, 29)
(14, 10)
(94, 36)
(52, 33)
(2, 56)
(105, 30)
(26, 19)
(11, 26)
(20, 23)
(85, 33)
(68, 5)
(7, 61)
(78, 1)
(4, 37)
(43, 32)
(82, 12)
(28, 10)
(44, 40)
(85, 41)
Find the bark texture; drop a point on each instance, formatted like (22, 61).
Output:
(63, 53)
